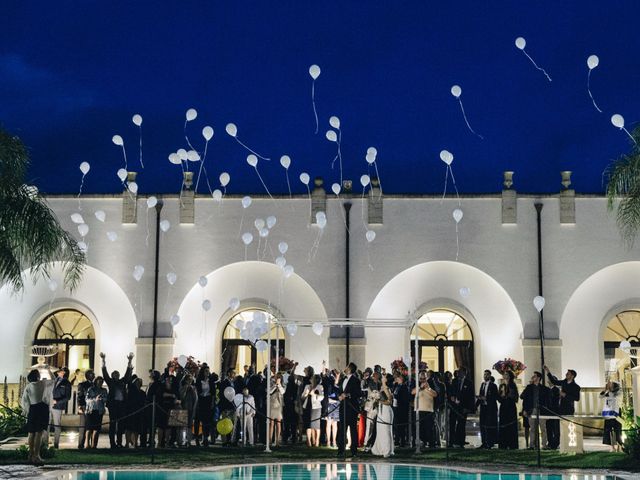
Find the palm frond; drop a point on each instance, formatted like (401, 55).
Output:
(14, 161)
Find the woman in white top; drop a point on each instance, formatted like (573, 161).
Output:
(276, 403)
(35, 404)
(384, 421)
(612, 395)
(313, 393)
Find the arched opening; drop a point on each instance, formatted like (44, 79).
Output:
(238, 353)
(445, 341)
(72, 333)
(623, 326)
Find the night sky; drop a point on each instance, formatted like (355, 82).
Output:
(72, 74)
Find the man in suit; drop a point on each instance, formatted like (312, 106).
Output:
(462, 401)
(488, 404)
(564, 404)
(534, 400)
(61, 395)
(116, 398)
(349, 396)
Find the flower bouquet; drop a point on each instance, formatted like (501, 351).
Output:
(192, 366)
(509, 365)
(284, 364)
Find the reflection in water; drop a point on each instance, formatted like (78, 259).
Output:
(322, 471)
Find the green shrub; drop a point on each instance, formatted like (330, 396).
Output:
(45, 452)
(12, 422)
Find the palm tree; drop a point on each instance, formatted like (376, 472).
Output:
(623, 191)
(30, 235)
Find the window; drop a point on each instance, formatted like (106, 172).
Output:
(238, 353)
(445, 341)
(623, 326)
(73, 334)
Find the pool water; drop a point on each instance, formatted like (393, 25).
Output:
(322, 471)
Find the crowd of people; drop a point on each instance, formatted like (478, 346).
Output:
(343, 410)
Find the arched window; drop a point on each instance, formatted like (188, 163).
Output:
(445, 341)
(623, 326)
(238, 353)
(73, 335)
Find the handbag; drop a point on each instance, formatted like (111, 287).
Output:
(178, 417)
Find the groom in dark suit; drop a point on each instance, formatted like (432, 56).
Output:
(349, 396)
(462, 402)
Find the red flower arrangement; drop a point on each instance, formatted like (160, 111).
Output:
(192, 366)
(509, 365)
(284, 364)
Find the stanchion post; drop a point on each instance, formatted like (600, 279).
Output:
(153, 430)
(244, 419)
(447, 433)
(268, 387)
(416, 403)
(538, 429)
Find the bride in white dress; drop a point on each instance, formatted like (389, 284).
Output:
(384, 422)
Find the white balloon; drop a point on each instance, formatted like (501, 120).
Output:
(539, 303)
(292, 329)
(370, 158)
(372, 151)
(252, 160)
(283, 247)
(137, 119)
(202, 281)
(217, 195)
(304, 178)
(314, 71)
(247, 238)
(175, 320)
(317, 328)
(261, 346)
(285, 161)
(264, 232)
(122, 174)
(224, 179)
(84, 248)
(152, 202)
(83, 229)
(259, 224)
(334, 122)
(133, 187)
(52, 284)
(321, 222)
(521, 43)
(138, 272)
(331, 136)
(593, 61)
(191, 114)
(229, 393)
(271, 221)
(77, 218)
(182, 360)
(246, 201)
(112, 236)
(206, 305)
(335, 188)
(364, 180)
(207, 133)
(117, 140)
(193, 156)
(165, 225)
(182, 153)
(457, 215)
(446, 156)
(281, 262)
(465, 292)
(625, 346)
(288, 271)
(85, 167)
(259, 317)
(231, 129)
(171, 278)
(456, 91)
(234, 304)
(617, 120)
(175, 159)
(100, 215)
(371, 235)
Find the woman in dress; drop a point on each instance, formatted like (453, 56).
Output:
(612, 395)
(276, 399)
(135, 402)
(206, 385)
(384, 420)
(508, 423)
(96, 403)
(189, 402)
(333, 410)
(35, 403)
(312, 397)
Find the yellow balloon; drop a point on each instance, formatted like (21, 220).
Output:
(225, 426)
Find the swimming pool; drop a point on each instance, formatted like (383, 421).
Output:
(322, 471)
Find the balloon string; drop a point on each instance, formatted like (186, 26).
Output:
(344, 219)
(80, 192)
(310, 204)
(630, 136)
(369, 256)
(589, 90)
(258, 249)
(255, 153)
(464, 115)
(146, 240)
(366, 227)
(124, 152)
(453, 179)
(185, 135)
(241, 220)
(315, 247)
(313, 102)
(446, 180)
(245, 254)
(141, 163)
(375, 164)
(457, 242)
(536, 65)
(263, 184)
(204, 156)
(340, 153)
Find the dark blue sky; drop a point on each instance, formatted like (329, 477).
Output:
(73, 73)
